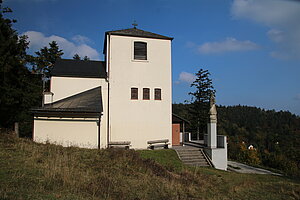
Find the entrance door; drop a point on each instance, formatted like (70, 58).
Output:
(175, 134)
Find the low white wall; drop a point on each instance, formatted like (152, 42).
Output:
(67, 132)
(218, 156)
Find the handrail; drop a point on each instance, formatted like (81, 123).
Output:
(207, 158)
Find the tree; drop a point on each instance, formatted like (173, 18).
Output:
(200, 100)
(46, 58)
(19, 89)
(76, 57)
(86, 58)
(44, 62)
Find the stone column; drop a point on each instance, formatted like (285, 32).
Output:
(212, 125)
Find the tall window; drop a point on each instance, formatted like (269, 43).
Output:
(140, 50)
(146, 93)
(134, 93)
(157, 94)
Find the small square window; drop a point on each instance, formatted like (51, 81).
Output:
(140, 51)
(146, 93)
(134, 93)
(157, 94)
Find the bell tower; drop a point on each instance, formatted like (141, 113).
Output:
(140, 86)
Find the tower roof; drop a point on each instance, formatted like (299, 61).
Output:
(134, 32)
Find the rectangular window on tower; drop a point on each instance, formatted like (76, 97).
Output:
(157, 94)
(140, 51)
(146, 93)
(134, 93)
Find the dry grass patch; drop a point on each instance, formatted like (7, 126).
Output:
(43, 171)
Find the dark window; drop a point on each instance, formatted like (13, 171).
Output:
(146, 93)
(157, 94)
(134, 93)
(140, 50)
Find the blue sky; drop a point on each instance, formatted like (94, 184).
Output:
(250, 47)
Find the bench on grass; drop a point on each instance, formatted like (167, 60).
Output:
(158, 143)
(119, 144)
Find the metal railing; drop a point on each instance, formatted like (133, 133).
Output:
(221, 141)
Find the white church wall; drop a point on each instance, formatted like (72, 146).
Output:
(66, 131)
(63, 87)
(140, 120)
(104, 117)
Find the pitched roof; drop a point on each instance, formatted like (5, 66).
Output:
(88, 103)
(134, 32)
(178, 119)
(79, 68)
(138, 33)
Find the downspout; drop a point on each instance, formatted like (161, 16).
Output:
(99, 131)
(108, 85)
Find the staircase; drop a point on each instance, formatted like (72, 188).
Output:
(193, 156)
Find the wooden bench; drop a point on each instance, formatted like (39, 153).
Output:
(158, 143)
(119, 144)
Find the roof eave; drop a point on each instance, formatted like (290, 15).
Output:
(55, 113)
(132, 35)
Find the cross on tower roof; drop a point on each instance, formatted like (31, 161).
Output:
(134, 24)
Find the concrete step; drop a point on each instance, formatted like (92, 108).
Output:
(189, 153)
(192, 156)
(187, 149)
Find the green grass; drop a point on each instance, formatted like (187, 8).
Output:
(167, 158)
(43, 171)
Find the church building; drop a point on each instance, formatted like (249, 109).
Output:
(126, 99)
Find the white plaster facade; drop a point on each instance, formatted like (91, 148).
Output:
(67, 132)
(122, 119)
(139, 120)
(63, 87)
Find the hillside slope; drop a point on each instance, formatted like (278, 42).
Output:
(274, 135)
(43, 171)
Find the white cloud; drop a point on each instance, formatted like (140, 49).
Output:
(229, 44)
(186, 77)
(281, 16)
(81, 39)
(276, 35)
(38, 40)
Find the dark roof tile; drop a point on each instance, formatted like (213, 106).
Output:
(79, 68)
(89, 101)
(138, 33)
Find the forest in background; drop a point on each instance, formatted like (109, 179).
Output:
(275, 136)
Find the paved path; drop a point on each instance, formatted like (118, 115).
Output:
(246, 169)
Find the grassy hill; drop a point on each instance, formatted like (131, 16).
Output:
(43, 171)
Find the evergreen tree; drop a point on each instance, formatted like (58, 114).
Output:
(44, 62)
(76, 57)
(19, 89)
(86, 58)
(200, 100)
(46, 58)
